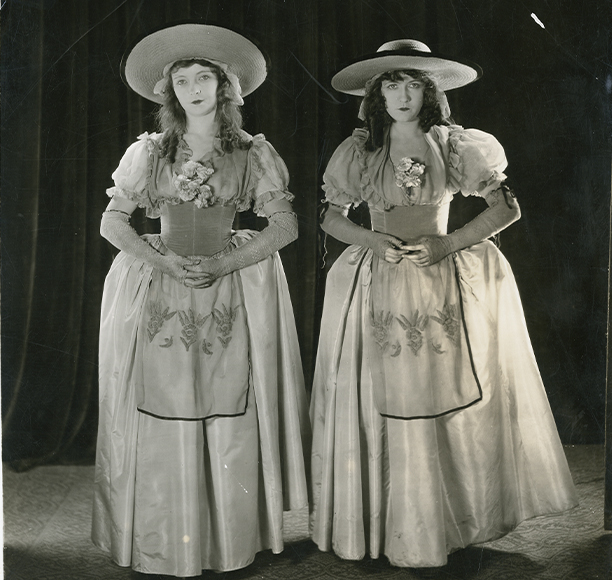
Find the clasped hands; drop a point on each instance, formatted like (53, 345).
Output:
(193, 272)
(423, 252)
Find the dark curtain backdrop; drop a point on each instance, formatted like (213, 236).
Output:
(67, 119)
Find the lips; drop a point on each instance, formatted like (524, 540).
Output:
(197, 102)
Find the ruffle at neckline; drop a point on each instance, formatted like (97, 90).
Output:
(242, 201)
(187, 152)
(369, 194)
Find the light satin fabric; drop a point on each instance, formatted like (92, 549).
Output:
(416, 489)
(177, 497)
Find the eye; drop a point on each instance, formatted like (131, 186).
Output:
(415, 85)
(391, 86)
(179, 82)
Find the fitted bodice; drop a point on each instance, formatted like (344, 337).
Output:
(251, 175)
(411, 222)
(458, 159)
(191, 231)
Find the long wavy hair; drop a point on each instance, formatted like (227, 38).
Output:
(374, 106)
(172, 119)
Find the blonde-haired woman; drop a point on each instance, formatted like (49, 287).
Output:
(203, 412)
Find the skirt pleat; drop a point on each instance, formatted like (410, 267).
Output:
(417, 489)
(173, 496)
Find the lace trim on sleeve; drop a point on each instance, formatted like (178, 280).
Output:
(269, 196)
(475, 179)
(339, 198)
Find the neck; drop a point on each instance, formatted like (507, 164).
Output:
(203, 126)
(406, 131)
(407, 140)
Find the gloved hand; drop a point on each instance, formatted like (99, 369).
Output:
(385, 246)
(115, 227)
(282, 229)
(502, 211)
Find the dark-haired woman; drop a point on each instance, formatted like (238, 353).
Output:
(202, 404)
(431, 426)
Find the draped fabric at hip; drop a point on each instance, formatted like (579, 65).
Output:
(418, 489)
(225, 481)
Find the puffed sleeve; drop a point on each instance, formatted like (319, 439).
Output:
(133, 175)
(268, 178)
(476, 160)
(342, 177)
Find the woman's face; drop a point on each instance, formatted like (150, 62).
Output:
(403, 98)
(195, 87)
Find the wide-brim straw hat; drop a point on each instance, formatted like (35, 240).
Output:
(142, 66)
(447, 73)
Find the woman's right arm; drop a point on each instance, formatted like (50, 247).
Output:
(341, 183)
(115, 227)
(129, 192)
(337, 224)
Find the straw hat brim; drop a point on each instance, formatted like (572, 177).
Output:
(447, 73)
(143, 64)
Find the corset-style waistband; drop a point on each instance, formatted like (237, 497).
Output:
(411, 222)
(190, 231)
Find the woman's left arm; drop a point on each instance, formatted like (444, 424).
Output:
(282, 229)
(503, 210)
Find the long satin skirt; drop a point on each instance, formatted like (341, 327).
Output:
(173, 496)
(418, 489)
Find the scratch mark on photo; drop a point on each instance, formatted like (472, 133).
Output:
(334, 100)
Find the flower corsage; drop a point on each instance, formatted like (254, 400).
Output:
(191, 183)
(409, 173)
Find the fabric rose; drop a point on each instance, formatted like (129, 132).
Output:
(409, 173)
(191, 183)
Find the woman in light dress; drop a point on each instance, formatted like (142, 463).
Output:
(431, 426)
(203, 412)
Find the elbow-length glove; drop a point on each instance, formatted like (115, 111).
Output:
(385, 246)
(282, 229)
(115, 227)
(503, 210)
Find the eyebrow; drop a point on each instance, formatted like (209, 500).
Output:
(178, 74)
(406, 79)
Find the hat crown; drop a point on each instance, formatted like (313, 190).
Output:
(404, 44)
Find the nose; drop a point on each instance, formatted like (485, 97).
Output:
(195, 89)
(406, 94)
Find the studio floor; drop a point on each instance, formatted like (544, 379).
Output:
(47, 518)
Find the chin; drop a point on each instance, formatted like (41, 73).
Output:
(406, 119)
(199, 110)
